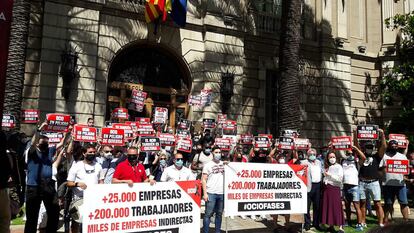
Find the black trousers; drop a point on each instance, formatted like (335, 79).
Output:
(34, 196)
(314, 198)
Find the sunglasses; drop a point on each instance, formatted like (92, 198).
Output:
(132, 155)
(180, 159)
(162, 158)
(108, 151)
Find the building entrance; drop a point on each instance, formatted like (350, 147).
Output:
(155, 71)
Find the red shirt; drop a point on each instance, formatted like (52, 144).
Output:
(124, 171)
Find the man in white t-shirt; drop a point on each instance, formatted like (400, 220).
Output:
(202, 159)
(394, 184)
(177, 171)
(82, 174)
(212, 180)
(351, 191)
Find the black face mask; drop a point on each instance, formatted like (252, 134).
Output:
(245, 150)
(133, 159)
(239, 159)
(90, 157)
(43, 146)
(392, 151)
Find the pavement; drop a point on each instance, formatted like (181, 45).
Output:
(260, 225)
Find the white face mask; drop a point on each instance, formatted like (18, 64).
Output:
(282, 161)
(108, 155)
(332, 160)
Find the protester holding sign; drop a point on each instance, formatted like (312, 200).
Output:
(332, 212)
(369, 177)
(315, 170)
(212, 180)
(5, 174)
(160, 166)
(394, 183)
(130, 171)
(81, 175)
(351, 185)
(177, 171)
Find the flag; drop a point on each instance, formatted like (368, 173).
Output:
(167, 9)
(179, 12)
(153, 9)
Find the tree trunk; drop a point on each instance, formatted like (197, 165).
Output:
(289, 85)
(17, 59)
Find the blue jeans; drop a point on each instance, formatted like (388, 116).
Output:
(215, 204)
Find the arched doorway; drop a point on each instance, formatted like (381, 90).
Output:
(155, 70)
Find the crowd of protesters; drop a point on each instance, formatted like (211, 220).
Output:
(50, 180)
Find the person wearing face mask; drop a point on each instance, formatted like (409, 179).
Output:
(81, 175)
(40, 185)
(177, 171)
(332, 213)
(131, 170)
(110, 161)
(351, 185)
(369, 176)
(240, 155)
(213, 190)
(315, 171)
(160, 166)
(394, 184)
(201, 159)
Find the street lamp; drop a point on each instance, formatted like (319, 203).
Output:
(68, 70)
(226, 90)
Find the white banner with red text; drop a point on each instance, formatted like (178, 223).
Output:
(257, 188)
(163, 207)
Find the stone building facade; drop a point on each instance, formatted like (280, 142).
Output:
(345, 48)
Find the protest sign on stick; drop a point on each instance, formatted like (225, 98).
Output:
(342, 143)
(111, 136)
(367, 132)
(30, 116)
(396, 166)
(83, 133)
(57, 122)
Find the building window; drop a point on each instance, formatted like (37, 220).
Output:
(268, 14)
(271, 102)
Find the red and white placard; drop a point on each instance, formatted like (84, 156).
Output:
(161, 115)
(84, 133)
(166, 139)
(30, 116)
(302, 143)
(54, 137)
(120, 113)
(223, 143)
(261, 142)
(209, 123)
(341, 143)
(128, 131)
(143, 119)
(111, 136)
(286, 143)
(400, 138)
(184, 144)
(57, 122)
(230, 125)
(138, 99)
(246, 139)
(270, 136)
(221, 118)
(145, 129)
(397, 166)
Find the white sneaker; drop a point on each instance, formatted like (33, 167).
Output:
(253, 217)
(243, 217)
(232, 217)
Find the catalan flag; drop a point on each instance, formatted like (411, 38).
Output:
(153, 9)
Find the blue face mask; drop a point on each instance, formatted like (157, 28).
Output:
(163, 163)
(350, 158)
(312, 157)
(207, 151)
(217, 156)
(179, 163)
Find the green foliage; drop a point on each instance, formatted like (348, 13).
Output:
(398, 85)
